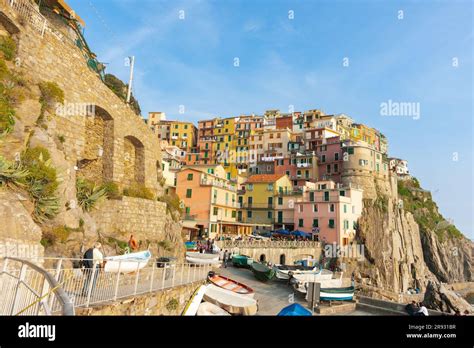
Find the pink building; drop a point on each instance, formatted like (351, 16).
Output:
(329, 210)
(330, 159)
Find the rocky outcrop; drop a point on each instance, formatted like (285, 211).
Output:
(438, 297)
(449, 259)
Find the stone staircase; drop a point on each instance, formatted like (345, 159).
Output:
(383, 307)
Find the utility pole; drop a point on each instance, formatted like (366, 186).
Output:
(132, 63)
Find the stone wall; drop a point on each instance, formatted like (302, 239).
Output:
(273, 254)
(57, 59)
(19, 235)
(166, 302)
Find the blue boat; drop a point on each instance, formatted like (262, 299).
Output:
(295, 310)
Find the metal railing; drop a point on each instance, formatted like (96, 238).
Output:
(31, 14)
(267, 244)
(27, 289)
(84, 287)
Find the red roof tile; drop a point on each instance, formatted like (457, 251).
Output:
(264, 178)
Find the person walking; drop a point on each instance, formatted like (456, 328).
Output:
(92, 261)
(226, 258)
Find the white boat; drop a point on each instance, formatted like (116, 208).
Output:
(202, 259)
(127, 263)
(326, 281)
(230, 301)
(207, 308)
(283, 271)
(193, 304)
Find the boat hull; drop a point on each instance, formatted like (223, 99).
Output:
(207, 309)
(127, 263)
(229, 301)
(231, 285)
(337, 294)
(262, 272)
(242, 261)
(202, 261)
(193, 304)
(327, 283)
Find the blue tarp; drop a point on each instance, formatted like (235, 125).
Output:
(281, 231)
(299, 233)
(294, 310)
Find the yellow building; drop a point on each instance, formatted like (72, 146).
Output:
(178, 133)
(361, 132)
(257, 200)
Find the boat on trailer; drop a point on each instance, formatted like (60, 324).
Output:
(127, 263)
(230, 284)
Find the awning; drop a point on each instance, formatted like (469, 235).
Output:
(191, 225)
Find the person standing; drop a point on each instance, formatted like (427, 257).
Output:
(226, 258)
(132, 243)
(92, 261)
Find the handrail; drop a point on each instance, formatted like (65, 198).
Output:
(57, 290)
(268, 244)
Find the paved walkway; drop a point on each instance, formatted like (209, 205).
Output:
(272, 296)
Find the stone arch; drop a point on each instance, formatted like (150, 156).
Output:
(97, 163)
(262, 258)
(282, 259)
(134, 160)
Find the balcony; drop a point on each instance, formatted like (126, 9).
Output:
(303, 165)
(294, 192)
(255, 206)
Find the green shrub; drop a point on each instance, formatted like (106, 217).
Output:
(51, 94)
(120, 90)
(11, 174)
(7, 47)
(7, 112)
(173, 204)
(111, 190)
(88, 194)
(138, 191)
(172, 305)
(41, 182)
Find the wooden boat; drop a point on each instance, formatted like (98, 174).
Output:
(207, 308)
(283, 271)
(230, 301)
(231, 285)
(193, 304)
(337, 294)
(242, 261)
(202, 259)
(127, 263)
(262, 272)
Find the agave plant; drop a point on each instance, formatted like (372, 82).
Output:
(46, 206)
(88, 194)
(11, 174)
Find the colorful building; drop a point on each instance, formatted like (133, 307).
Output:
(258, 198)
(330, 211)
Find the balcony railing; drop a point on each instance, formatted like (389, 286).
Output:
(258, 205)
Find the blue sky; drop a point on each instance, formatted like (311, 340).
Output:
(299, 62)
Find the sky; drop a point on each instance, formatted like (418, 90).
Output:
(338, 56)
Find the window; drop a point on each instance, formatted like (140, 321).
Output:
(323, 158)
(300, 222)
(336, 168)
(270, 187)
(188, 210)
(331, 223)
(350, 150)
(249, 214)
(300, 208)
(215, 211)
(336, 156)
(280, 200)
(233, 213)
(190, 177)
(315, 223)
(326, 196)
(346, 224)
(328, 168)
(331, 208)
(345, 208)
(189, 193)
(280, 216)
(185, 126)
(250, 200)
(311, 196)
(315, 208)
(250, 187)
(342, 193)
(269, 214)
